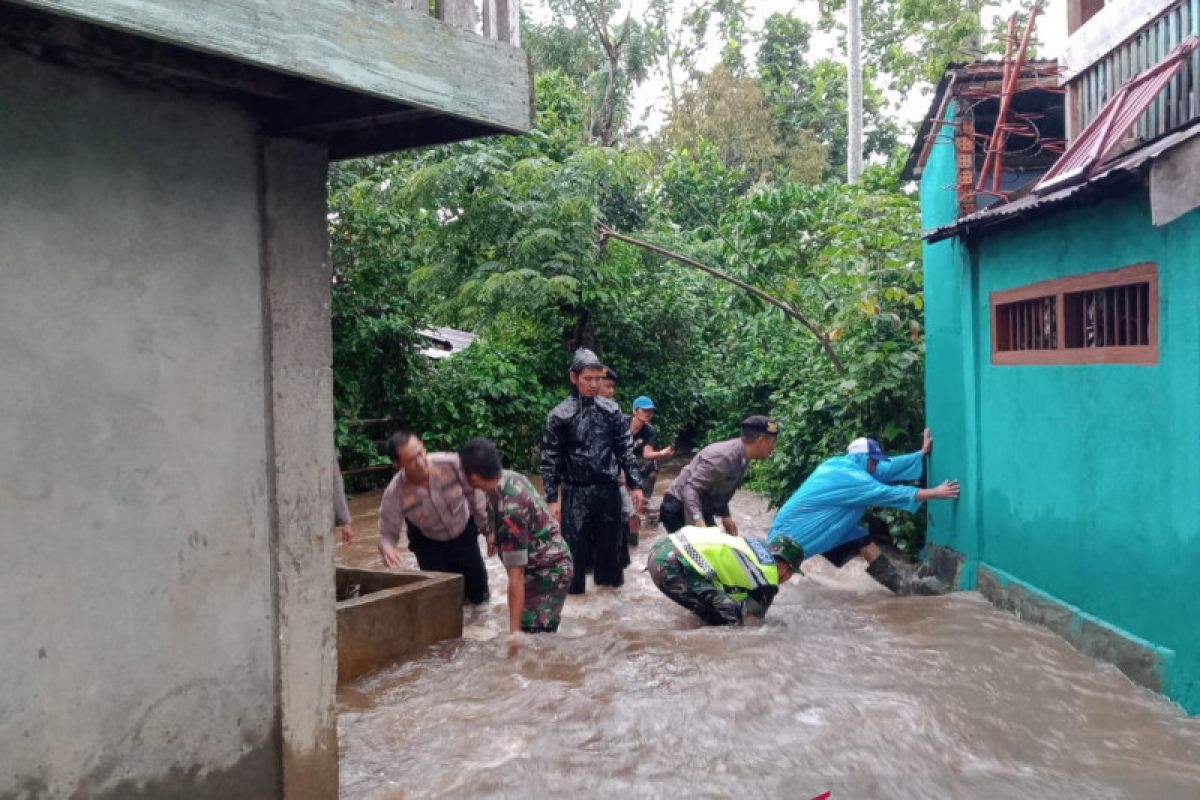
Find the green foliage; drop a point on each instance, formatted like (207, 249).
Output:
(849, 258)
(810, 98)
(696, 187)
(605, 60)
(374, 320)
(498, 237)
(730, 112)
(501, 386)
(911, 42)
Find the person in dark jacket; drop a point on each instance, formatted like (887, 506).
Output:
(585, 449)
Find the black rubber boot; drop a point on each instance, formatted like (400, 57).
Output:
(903, 583)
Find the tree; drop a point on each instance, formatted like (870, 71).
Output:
(608, 61)
(806, 97)
(912, 41)
(732, 24)
(731, 113)
(374, 319)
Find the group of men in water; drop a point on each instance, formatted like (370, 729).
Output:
(597, 470)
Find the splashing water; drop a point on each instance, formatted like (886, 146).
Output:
(845, 689)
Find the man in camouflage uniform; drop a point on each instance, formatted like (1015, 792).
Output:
(528, 539)
(723, 579)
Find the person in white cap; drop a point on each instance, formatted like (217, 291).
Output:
(824, 514)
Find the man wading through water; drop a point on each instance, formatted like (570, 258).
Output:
(444, 514)
(822, 517)
(722, 579)
(608, 389)
(585, 448)
(527, 538)
(705, 486)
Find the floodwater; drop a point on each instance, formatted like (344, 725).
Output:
(845, 689)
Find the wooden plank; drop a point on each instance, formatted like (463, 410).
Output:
(459, 13)
(502, 20)
(1110, 27)
(1060, 321)
(1130, 297)
(362, 46)
(1137, 314)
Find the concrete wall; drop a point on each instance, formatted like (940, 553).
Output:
(950, 359)
(151, 492)
(1079, 482)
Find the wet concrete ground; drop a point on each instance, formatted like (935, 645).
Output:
(846, 689)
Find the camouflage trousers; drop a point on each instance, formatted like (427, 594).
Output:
(545, 593)
(678, 581)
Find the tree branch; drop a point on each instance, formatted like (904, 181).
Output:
(606, 232)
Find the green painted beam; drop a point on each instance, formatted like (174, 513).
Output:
(363, 46)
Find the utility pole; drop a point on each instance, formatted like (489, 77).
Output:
(854, 146)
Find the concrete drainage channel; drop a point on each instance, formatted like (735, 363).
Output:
(385, 618)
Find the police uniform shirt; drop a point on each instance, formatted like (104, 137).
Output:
(710, 479)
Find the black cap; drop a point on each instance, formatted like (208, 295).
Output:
(610, 374)
(760, 424)
(583, 359)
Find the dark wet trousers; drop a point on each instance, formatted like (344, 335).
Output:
(460, 555)
(670, 514)
(844, 553)
(592, 526)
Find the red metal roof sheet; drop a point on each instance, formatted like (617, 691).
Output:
(1098, 139)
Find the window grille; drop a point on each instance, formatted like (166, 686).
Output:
(1108, 317)
(1028, 324)
(1118, 316)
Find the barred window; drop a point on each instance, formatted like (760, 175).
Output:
(1027, 324)
(1118, 316)
(1108, 317)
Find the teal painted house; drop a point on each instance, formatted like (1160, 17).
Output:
(1063, 350)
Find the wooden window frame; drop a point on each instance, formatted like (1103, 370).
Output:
(1146, 354)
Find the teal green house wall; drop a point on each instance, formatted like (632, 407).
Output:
(1080, 483)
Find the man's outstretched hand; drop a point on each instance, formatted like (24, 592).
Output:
(926, 441)
(946, 490)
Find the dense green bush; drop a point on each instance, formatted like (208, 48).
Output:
(498, 237)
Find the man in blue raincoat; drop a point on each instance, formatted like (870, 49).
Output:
(824, 514)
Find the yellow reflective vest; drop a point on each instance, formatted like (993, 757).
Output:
(739, 565)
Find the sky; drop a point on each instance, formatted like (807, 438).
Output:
(650, 99)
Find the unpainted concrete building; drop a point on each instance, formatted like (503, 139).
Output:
(166, 583)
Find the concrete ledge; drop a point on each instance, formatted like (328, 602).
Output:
(396, 616)
(1143, 662)
(368, 47)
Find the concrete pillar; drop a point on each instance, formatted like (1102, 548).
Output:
(299, 380)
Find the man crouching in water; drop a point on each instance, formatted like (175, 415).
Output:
(823, 515)
(723, 579)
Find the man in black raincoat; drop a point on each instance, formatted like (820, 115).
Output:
(585, 449)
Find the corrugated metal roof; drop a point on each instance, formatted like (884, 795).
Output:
(1121, 167)
(1101, 136)
(445, 342)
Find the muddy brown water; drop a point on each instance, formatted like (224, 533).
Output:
(845, 689)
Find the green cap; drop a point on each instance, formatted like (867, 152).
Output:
(788, 550)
